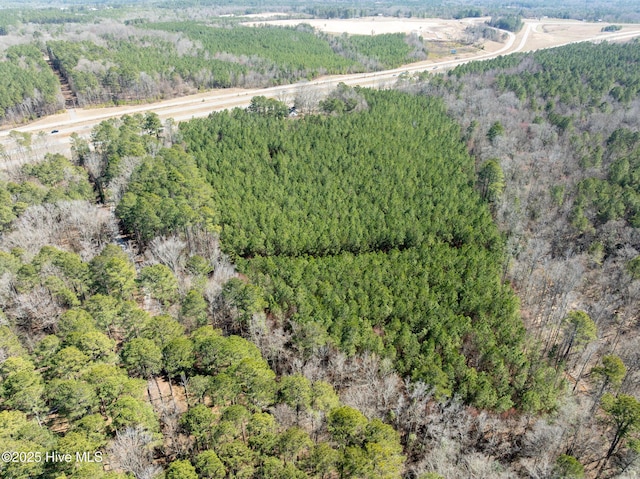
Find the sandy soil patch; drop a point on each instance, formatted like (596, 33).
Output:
(265, 15)
(542, 33)
(428, 28)
(549, 33)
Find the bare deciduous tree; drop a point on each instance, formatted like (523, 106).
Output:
(168, 251)
(78, 226)
(132, 451)
(118, 185)
(36, 310)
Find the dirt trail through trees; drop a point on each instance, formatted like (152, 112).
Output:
(70, 100)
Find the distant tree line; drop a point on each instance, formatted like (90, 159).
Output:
(512, 23)
(144, 67)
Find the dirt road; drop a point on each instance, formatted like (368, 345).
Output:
(535, 35)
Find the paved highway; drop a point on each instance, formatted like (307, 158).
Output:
(81, 121)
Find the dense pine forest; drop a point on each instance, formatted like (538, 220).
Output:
(347, 223)
(434, 281)
(85, 331)
(29, 87)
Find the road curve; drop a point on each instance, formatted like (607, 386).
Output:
(81, 121)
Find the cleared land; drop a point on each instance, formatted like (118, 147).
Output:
(551, 33)
(429, 28)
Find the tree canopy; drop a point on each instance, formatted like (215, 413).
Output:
(346, 221)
